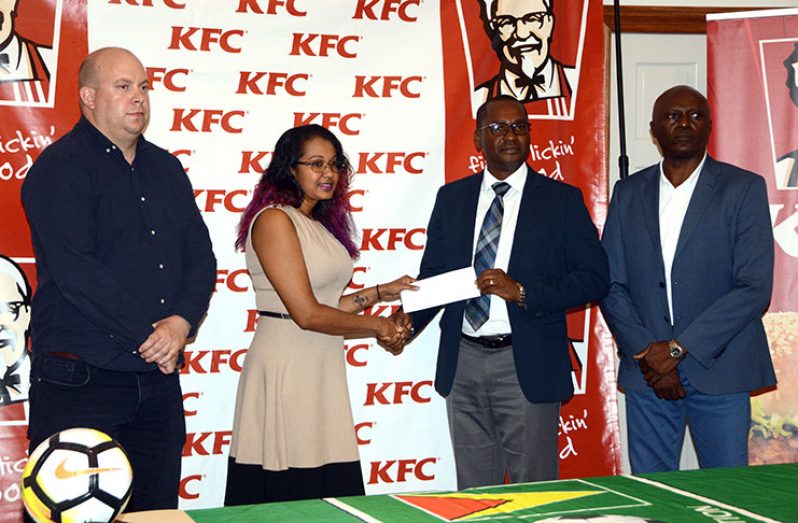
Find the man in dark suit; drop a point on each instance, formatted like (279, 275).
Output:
(690, 247)
(503, 361)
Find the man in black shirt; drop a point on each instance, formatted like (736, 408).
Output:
(125, 273)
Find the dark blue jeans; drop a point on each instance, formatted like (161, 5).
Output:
(142, 411)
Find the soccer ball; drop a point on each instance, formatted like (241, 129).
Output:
(77, 476)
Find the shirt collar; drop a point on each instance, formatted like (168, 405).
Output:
(517, 180)
(688, 184)
(95, 134)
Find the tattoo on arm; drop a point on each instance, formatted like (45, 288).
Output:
(359, 300)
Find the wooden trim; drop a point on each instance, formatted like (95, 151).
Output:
(658, 19)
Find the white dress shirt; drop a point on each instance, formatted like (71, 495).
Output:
(498, 320)
(673, 203)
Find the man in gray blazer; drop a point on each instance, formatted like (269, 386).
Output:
(690, 248)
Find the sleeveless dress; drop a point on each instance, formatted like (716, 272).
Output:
(292, 408)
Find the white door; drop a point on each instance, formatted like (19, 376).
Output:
(652, 63)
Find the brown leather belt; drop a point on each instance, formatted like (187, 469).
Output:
(65, 355)
(491, 342)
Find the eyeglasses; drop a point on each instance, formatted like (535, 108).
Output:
(317, 166)
(509, 23)
(500, 129)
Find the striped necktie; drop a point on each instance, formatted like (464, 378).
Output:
(477, 309)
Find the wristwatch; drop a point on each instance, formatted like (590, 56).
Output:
(521, 295)
(676, 350)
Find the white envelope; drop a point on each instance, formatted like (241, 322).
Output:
(441, 289)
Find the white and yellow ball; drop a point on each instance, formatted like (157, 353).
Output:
(77, 476)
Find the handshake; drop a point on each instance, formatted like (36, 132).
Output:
(395, 332)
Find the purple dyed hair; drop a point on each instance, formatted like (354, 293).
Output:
(278, 186)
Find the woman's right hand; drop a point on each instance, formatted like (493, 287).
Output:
(391, 335)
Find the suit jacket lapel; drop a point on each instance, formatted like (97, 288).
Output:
(702, 195)
(465, 221)
(526, 213)
(650, 202)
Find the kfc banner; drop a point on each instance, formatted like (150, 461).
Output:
(548, 54)
(399, 82)
(753, 59)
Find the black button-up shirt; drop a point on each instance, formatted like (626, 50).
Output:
(118, 247)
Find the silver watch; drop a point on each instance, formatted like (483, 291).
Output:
(676, 350)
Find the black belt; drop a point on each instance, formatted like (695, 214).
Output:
(491, 342)
(278, 315)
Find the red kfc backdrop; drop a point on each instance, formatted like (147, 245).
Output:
(43, 42)
(568, 133)
(753, 94)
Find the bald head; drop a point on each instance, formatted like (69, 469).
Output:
(98, 61)
(679, 91)
(681, 124)
(114, 95)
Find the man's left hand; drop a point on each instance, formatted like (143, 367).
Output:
(498, 283)
(163, 346)
(657, 357)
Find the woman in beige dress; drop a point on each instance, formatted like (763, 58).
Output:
(293, 434)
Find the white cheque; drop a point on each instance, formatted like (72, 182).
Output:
(441, 289)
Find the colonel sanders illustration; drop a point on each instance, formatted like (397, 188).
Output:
(15, 296)
(521, 34)
(787, 165)
(24, 73)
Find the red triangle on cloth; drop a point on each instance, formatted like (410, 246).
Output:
(451, 508)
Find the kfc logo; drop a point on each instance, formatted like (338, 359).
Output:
(26, 66)
(391, 239)
(235, 281)
(313, 44)
(209, 200)
(399, 471)
(395, 393)
(389, 162)
(182, 153)
(189, 488)
(205, 39)
(356, 354)
(15, 313)
(786, 232)
(387, 86)
(343, 122)
(172, 79)
(213, 361)
(381, 310)
(363, 432)
(251, 321)
(207, 120)
(206, 443)
(269, 7)
(254, 161)
(171, 4)
(272, 83)
(355, 283)
(189, 397)
(578, 329)
(521, 36)
(356, 199)
(385, 9)
(787, 163)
